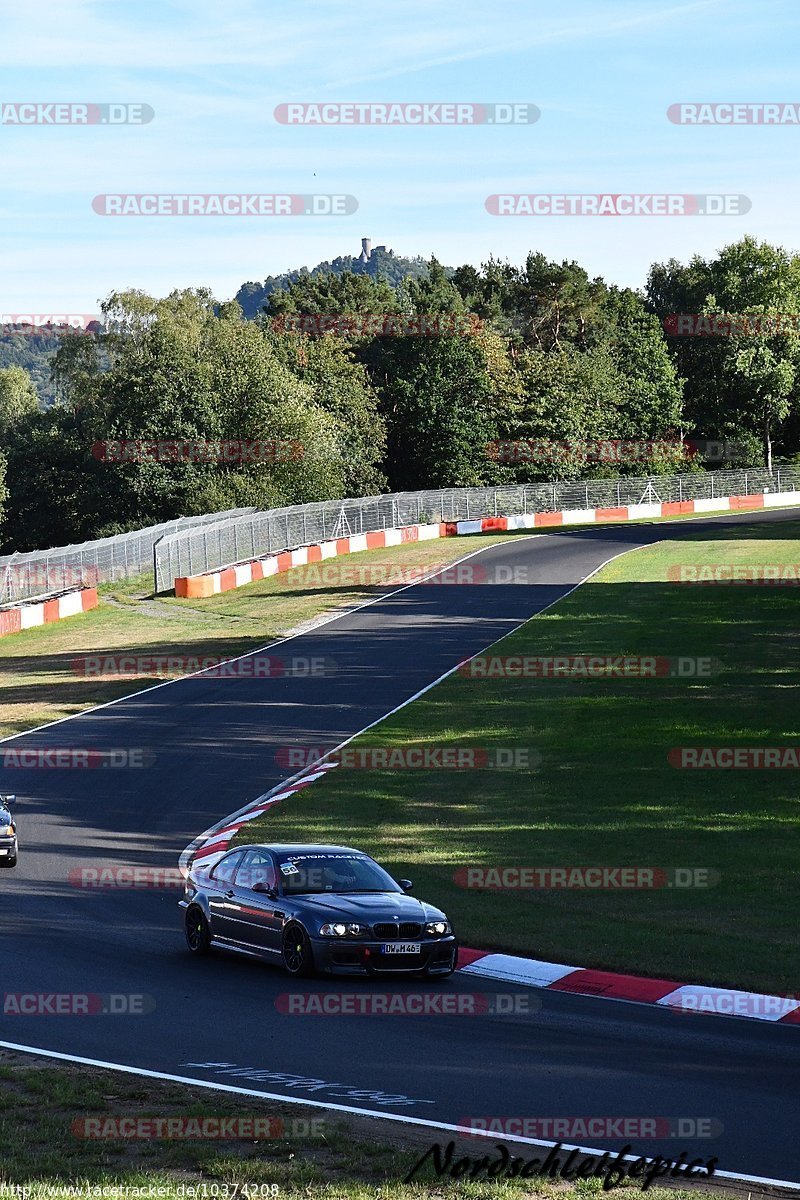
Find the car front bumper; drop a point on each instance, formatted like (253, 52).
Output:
(350, 956)
(8, 847)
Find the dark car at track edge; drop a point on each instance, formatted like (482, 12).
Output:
(8, 833)
(315, 908)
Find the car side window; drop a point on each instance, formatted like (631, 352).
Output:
(256, 867)
(225, 869)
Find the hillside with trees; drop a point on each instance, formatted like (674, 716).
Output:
(396, 384)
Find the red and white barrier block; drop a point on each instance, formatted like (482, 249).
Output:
(43, 612)
(213, 582)
(683, 998)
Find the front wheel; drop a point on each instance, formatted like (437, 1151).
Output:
(198, 933)
(298, 957)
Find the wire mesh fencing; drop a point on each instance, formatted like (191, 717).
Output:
(45, 572)
(230, 539)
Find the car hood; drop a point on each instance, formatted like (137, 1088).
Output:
(369, 908)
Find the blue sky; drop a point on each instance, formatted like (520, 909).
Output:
(603, 73)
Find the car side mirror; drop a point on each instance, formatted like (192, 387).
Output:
(406, 885)
(264, 888)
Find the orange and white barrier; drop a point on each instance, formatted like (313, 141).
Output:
(213, 582)
(43, 612)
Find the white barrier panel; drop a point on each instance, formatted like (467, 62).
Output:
(243, 574)
(643, 510)
(328, 550)
(427, 532)
(71, 605)
(269, 566)
(776, 499)
(359, 542)
(469, 527)
(30, 615)
(579, 516)
(300, 557)
(719, 502)
(394, 537)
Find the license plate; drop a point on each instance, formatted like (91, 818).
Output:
(402, 948)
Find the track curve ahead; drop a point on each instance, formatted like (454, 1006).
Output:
(213, 743)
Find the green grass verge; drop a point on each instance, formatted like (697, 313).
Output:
(338, 1157)
(605, 793)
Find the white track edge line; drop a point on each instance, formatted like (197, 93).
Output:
(361, 1112)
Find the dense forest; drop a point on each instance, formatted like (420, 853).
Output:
(393, 374)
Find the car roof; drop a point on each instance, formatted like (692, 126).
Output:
(299, 848)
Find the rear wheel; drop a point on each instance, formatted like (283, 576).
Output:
(298, 957)
(198, 933)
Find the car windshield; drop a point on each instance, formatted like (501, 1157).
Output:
(307, 874)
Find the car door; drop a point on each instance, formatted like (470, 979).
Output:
(221, 895)
(257, 920)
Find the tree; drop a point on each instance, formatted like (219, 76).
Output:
(18, 399)
(744, 385)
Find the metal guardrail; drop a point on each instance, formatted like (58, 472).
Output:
(42, 572)
(229, 540)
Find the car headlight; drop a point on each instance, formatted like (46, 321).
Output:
(437, 928)
(338, 929)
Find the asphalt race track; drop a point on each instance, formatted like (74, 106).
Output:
(213, 743)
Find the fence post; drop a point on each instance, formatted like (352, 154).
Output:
(619, 500)
(680, 489)
(745, 484)
(586, 489)
(778, 472)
